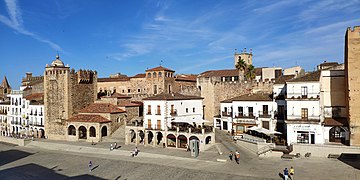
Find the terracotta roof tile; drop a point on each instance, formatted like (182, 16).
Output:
(128, 104)
(88, 118)
(101, 108)
(160, 68)
(221, 73)
(172, 96)
(185, 77)
(250, 97)
(313, 76)
(113, 79)
(282, 79)
(139, 76)
(36, 96)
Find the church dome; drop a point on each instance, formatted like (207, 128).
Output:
(57, 62)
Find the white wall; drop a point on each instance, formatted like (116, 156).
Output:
(316, 129)
(294, 89)
(294, 109)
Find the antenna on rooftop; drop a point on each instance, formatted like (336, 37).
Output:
(161, 62)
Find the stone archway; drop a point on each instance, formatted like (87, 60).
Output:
(182, 141)
(142, 136)
(71, 130)
(92, 131)
(103, 131)
(159, 137)
(132, 136)
(208, 140)
(335, 134)
(42, 133)
(193, 137)
(150, 137)
(82, 132)
(171, 140)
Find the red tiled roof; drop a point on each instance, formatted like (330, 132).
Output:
(312, 76)
(36, 96)
(101, 108)
(118, 96)
(113, 79)
(139, 76)
(250, 97)
(172, 96)
(128, 104)
(221, 73)
(88, 118)
(335, 122)
(282, 79)
(185, 77)
(258, 71)
(160, 68)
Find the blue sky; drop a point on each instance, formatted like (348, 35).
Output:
(188, 36)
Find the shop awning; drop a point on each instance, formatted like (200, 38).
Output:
(263, 130)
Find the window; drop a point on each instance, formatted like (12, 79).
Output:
(139, 90)
(158, 112)
(251, 111)
(172, 109)
(303, 137)
(240, 111)
(160, 74)
(155, 89)
(304, 114)
(149, 75)
(149, 110)
(236, 78)
(154, 75)
(129, 90)
(187, 110)
(304, 92)
(265, 110)
(193, 110)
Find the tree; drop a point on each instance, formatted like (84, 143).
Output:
(250, 72)
(241, 66)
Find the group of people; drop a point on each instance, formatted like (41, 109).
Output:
(289, 173)
(236, 156)
(113, 147)
(135, 152)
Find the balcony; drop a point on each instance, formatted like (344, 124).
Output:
(298, 118)
(226, 114)
(245, 121)
(264, 114)
(245, 116)
(300, 96)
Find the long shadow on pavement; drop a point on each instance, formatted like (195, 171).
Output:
(12, 155)
(34, 171)
(350, 159)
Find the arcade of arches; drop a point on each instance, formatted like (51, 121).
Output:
(174, 139)
(91, 132)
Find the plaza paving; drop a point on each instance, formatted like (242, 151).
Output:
(45, 159)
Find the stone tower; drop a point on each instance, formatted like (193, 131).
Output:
(352, 75)
(5, 89)
(65, 92)
(246, 56)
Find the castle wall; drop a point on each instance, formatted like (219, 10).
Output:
(352, 75)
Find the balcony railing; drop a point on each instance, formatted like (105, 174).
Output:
(302, 96)
(312, 118)
(245, 116)
(264, 114)
(226, 114)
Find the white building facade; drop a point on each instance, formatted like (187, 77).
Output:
(303, 124)
(239, 113)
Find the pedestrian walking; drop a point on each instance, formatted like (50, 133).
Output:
(237, 157)
(90, 166)
(291, 172)
(286, 174)
(231, 155)
(136, 151)
(115, 145)
(111, 147)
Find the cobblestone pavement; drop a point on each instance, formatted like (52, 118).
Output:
(62, 160)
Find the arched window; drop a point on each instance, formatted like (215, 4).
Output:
(149, 75)
(71, 130)
(92, 132)
(154, 74)
(160, 74)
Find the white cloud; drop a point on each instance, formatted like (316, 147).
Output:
(15, 22)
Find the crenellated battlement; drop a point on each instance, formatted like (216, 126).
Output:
(86, 76)
(353, 29)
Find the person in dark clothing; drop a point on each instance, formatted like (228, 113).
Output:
(231, 155)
